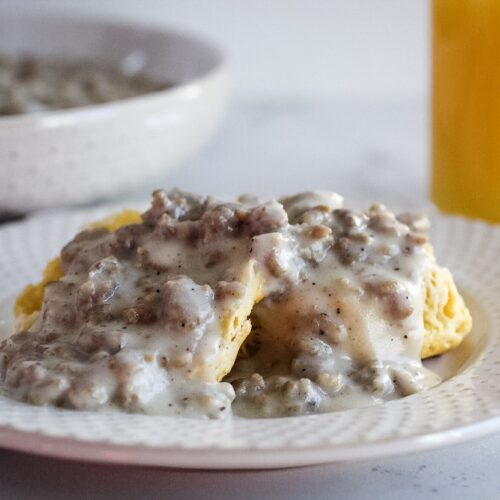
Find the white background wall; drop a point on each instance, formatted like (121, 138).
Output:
(327, 48)
(337, 89)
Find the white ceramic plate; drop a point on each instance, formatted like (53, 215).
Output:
(464, 406)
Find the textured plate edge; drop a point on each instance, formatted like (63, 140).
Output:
(249, 458)
(224, 459)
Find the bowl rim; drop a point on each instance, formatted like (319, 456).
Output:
(218, 68)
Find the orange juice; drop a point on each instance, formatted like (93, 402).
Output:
(466, 107)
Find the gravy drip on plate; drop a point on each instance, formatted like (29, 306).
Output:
(137, 320)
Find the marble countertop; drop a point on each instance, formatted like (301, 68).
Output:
(459, 472)
(366, 151)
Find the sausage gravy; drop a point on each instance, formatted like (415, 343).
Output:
(30, 85)
(136, 322)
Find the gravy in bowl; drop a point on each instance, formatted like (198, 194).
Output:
(31, 84)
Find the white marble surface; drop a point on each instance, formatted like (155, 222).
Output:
(372, 150)
(367, 151)
(468, 471)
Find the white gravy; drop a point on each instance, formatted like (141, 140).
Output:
(135, 323)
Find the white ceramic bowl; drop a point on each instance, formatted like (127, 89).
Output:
(88, 153)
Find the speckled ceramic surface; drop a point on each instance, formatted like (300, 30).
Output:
(465, 405)
(109, 148)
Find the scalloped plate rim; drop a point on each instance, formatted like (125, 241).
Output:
(212, 457)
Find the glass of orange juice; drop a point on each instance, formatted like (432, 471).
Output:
(466, 107)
